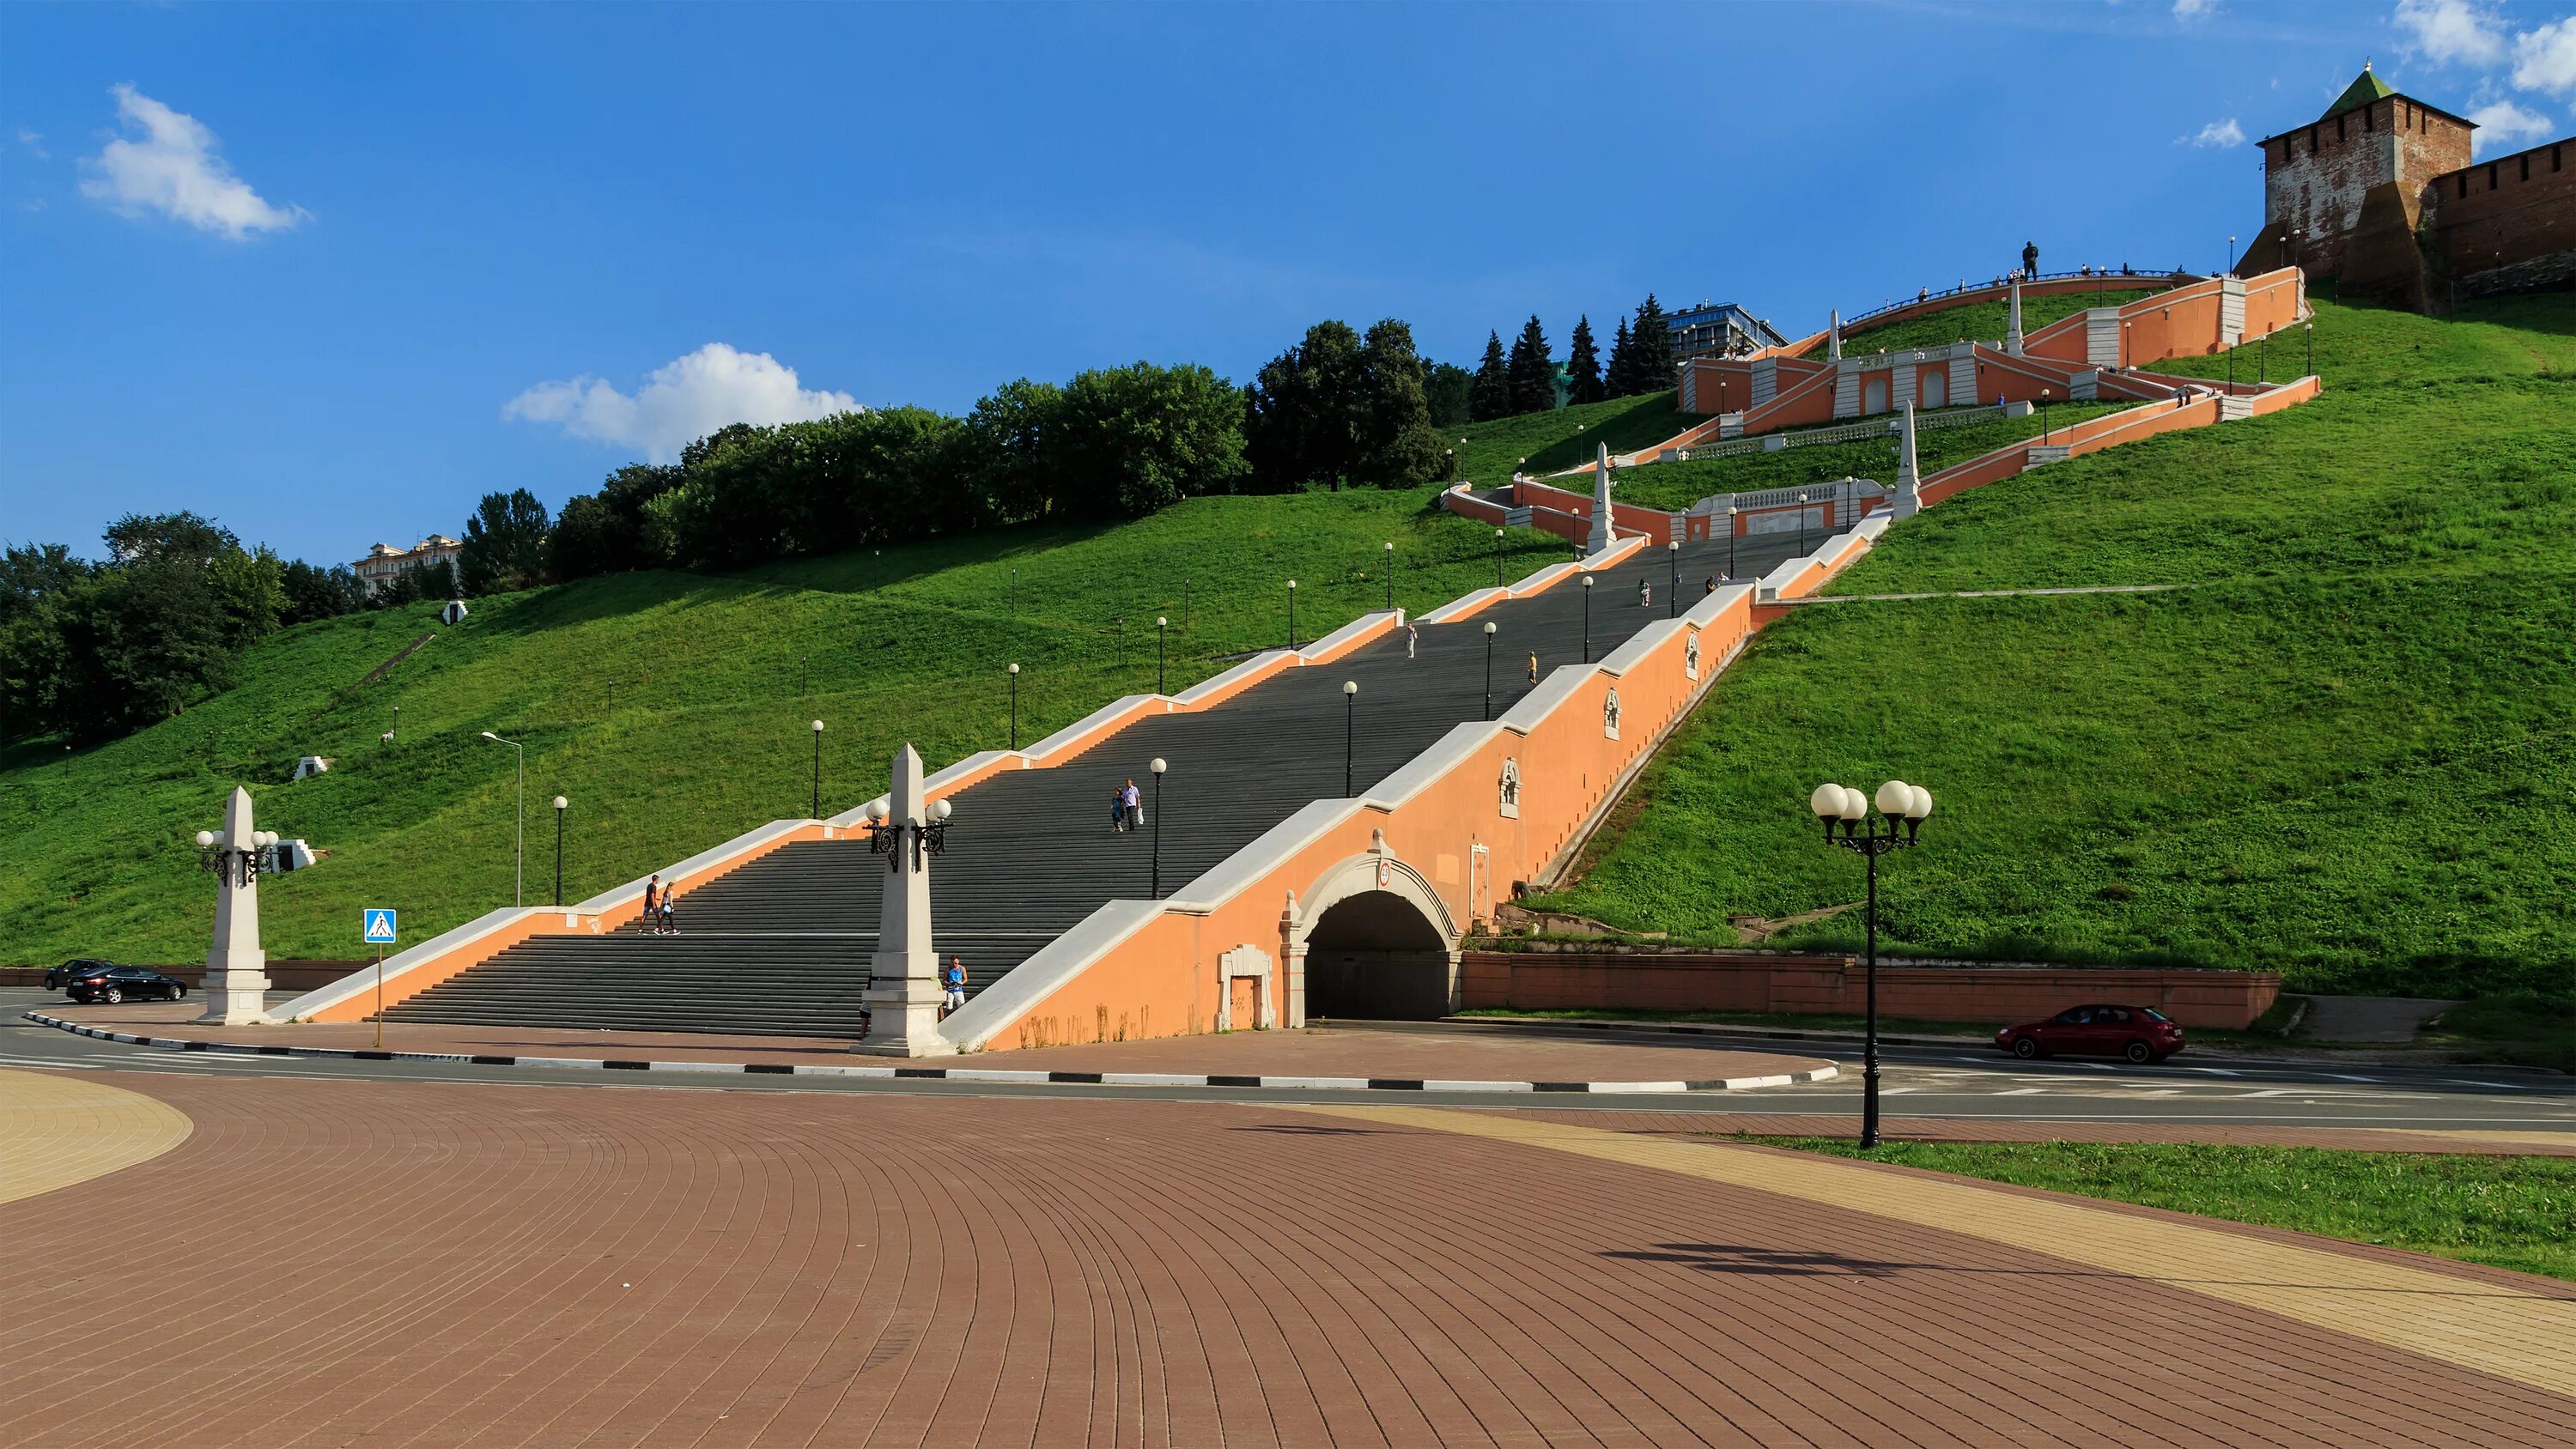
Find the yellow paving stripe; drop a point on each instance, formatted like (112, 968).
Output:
(2563, 1141)
(57, 1130)
(2509, 1332)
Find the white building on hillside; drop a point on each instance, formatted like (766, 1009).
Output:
(384, 563)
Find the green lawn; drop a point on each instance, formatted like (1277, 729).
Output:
(2342, 753)
(1982, 321)
(1679, 485)
(2506, 1212)
(1542, 443)
(671, 709)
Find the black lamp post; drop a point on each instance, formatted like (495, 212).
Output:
(2045, 437)
(818, 769)
(1158, 766)
(2311, 330)
(1802, 525)
(1489, 669)
(1498, 558)
(1730, 542)
(1903, 809)
(1292, 614)
(2263, 359)
(1160, 624)
(1015, 706)
(1587, 618)
(1350, 730)
(1673, 597)
(560, 803)
(1390, 578)
(1015, 593)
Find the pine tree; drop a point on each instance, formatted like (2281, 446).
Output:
(1532, 371)
(1583, 365)
(1622, 381)
(1491, 396)
(1653, 341)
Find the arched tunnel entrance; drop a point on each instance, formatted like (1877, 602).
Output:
(1375, 956)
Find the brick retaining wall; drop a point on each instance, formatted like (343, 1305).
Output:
(1747, 981)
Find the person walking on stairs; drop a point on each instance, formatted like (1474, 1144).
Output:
(1117, 808)
(653, 903)
(1132, 806)
(1412, 636)
(669, 894)
(952, 986)
(1645, 593)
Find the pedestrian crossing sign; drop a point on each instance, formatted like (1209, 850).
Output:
(380, 926)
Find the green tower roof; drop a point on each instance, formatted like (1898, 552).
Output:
(2365, 88)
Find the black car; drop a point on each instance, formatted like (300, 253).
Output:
(58, 977)
(113, 984)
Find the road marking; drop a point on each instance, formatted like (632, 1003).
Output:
(2214, 1071)
(2023, 1092)
(2490, 1327)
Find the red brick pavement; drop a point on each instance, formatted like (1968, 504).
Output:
(435, 1264)
(1314, 1052)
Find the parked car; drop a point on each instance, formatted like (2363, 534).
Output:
(58, 977)
(2140, 1033)
(113, 984)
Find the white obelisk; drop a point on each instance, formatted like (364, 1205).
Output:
(903, 975)
(2012, 335)
(1834, 336)
(236, 984)
(1601, 533)
(1909, 496)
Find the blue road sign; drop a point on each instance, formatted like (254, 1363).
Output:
(380, 926)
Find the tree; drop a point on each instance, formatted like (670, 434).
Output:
(314, 592)
(1653, 342)
(1531, 373)
(1446, 386)
(1398, 448)
(505, 544)
(1583, 365)
(1139, 438)
(1306, 412)
(1007, 437)
(1622, 379)
(1491, 397)
(436, 579)
(30, 574)
(606, 532)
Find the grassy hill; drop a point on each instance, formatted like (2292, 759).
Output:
(1679, 485)
(2341, 749)
(671, 709)
(1542, 443)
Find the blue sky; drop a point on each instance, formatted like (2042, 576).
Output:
(292, 266)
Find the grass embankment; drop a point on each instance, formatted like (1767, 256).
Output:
(1679, 485)
(1542, 443)
(2505, 1212)
(1983, 321)
(671, 709)
(2342, 752)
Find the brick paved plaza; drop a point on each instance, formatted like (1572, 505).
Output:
(336, 1262)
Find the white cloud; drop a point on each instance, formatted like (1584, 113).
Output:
(2448, 32)
(682, 401)
(172, 168)
(2216, 133)
(2545, 59)
(34, 144)
(2194, 9)
(2504, 126)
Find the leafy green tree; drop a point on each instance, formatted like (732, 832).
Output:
(605, 532)
(1306, 413)
(1653, 341)
(1491, 396)
(435, 580)
(1006, 441)
(1583, 365)
(32, 573)
(1399, 447)
(314, 592)
(1622, 378)
(505, 544)
(1141, 437)
(1531, 371)
(1447, 386)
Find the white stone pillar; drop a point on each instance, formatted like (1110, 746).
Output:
(1601, 532)
(2012, 334)
(236, 984)
(1909, 498)
(903, 974)
(1834, 336)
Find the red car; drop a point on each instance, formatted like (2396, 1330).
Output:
(2140, 1033)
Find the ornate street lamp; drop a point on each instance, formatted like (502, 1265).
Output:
(230, 865)
(1489, 669)
(519, 871)
(1158, 766)
(818, 769)
(560, 803)
(886, 838)
(1350, 730)
(1902, 808)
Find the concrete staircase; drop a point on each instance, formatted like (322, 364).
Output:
(780, 944)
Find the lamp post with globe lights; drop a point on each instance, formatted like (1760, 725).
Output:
(1902, 809)
(818, 772)
(1390, 578)
(1292, 615)
(1015, 706)
(1498, 558)
(519, 868)
(1489, 669)
(1162, 623)
(1350, 730)
(1673, 598)
(1587, 618)
(1157, 767)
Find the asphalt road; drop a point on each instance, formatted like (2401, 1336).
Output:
(1919, 1081)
